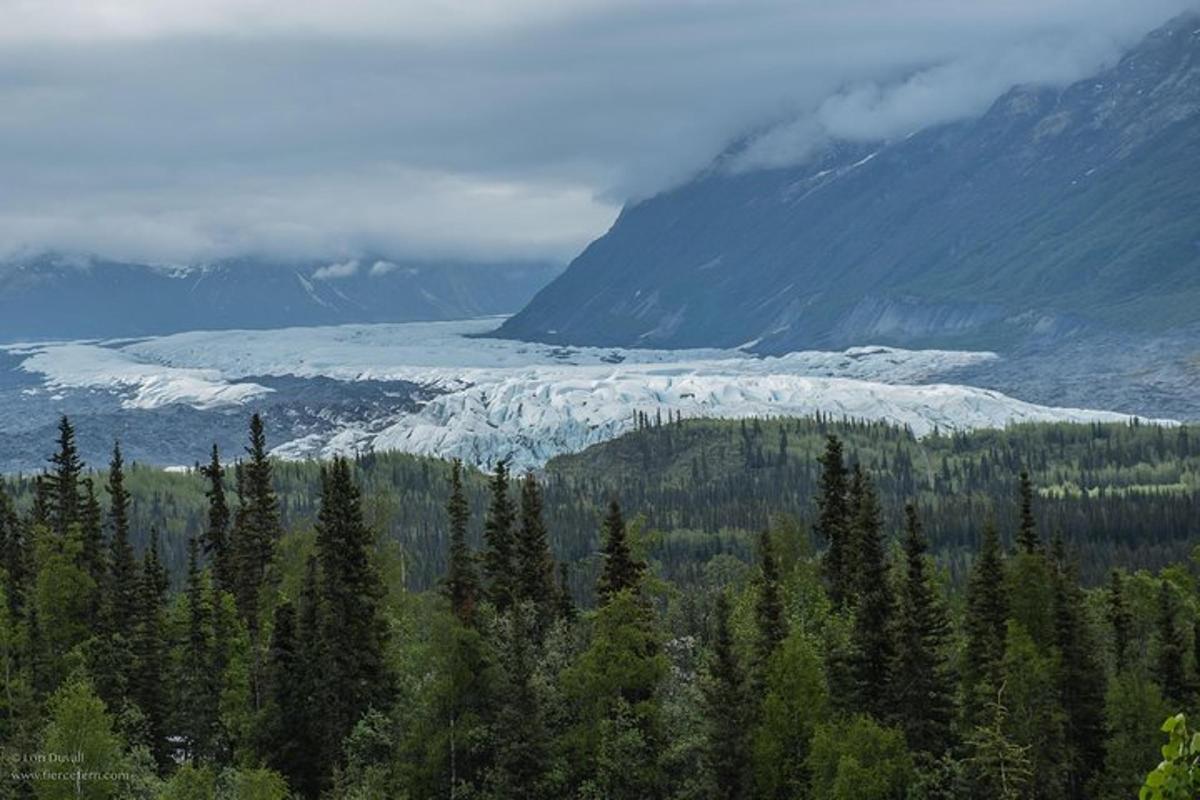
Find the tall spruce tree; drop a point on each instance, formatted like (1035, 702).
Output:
(15, 559)
(313, 654)
(1171, 676)
(833, 520)
(461, 585)
(122, 599)
(621, 570)
(63, 480)
(726, 704)
(770, 618)
(199, 683)
(985, 624)
(353, 633)
(499, 560)
(535, 563)
(1081, 678)
(148, 679)
(122, 585)
(922, 676)
(1027, 536)
(523, 750)
(216, 532)
(873, 637)
(1120, 619)
(286, 737)
(91, 551)
(258, 528)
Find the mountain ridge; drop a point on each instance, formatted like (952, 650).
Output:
(1058, 212)
(54, 296)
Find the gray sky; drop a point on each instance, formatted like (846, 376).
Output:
(179, 130)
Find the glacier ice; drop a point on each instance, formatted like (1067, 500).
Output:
(494, 398)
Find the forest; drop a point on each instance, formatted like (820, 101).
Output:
(769, 609)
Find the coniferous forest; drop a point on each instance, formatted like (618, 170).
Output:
(772, 609)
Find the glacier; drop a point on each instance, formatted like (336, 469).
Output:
(485, 399)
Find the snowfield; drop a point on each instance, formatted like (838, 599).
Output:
(497, 399)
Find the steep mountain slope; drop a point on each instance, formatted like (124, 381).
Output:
(61, 298)
(1057, 211)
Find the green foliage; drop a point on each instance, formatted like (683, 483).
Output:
(1134, 709)
(1035, 719)
(1177, 777)
(795, 703)
(79, 737)
(858, 759)
(614, 685)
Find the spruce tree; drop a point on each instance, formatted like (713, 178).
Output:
(985, 624)
(200, 679)
(216, 532)
(1081, 679)
(1027, 536)
(461, 585)
(523, 747)
(257, 531)
(286, 735)
(1121, 621)
(1172, 678)
(566, 603)
(726, 703)
(15, 560)
(113, 660)
(91, 551)
(922, 676)
(499, 561)
(874, 647)
(621, 570)
(63, 480)
(148, 679)
(39, 514)
(352, 630)
(535, 563)
(313, 688)
(771, 625)
(123, 573)
(833, 520)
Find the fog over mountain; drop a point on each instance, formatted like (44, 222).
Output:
(186, 132)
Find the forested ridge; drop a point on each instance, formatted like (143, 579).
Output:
(698, 610)
(1121, 495)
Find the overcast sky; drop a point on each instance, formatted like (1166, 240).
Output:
(181, 130)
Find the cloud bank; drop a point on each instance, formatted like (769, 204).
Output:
(177, 131)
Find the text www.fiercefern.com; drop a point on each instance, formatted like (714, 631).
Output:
(78, 776)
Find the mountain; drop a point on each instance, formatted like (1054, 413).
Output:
(1058, 212)
(62, 297)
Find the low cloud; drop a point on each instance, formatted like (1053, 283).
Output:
(333, 272)
(183, 131)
